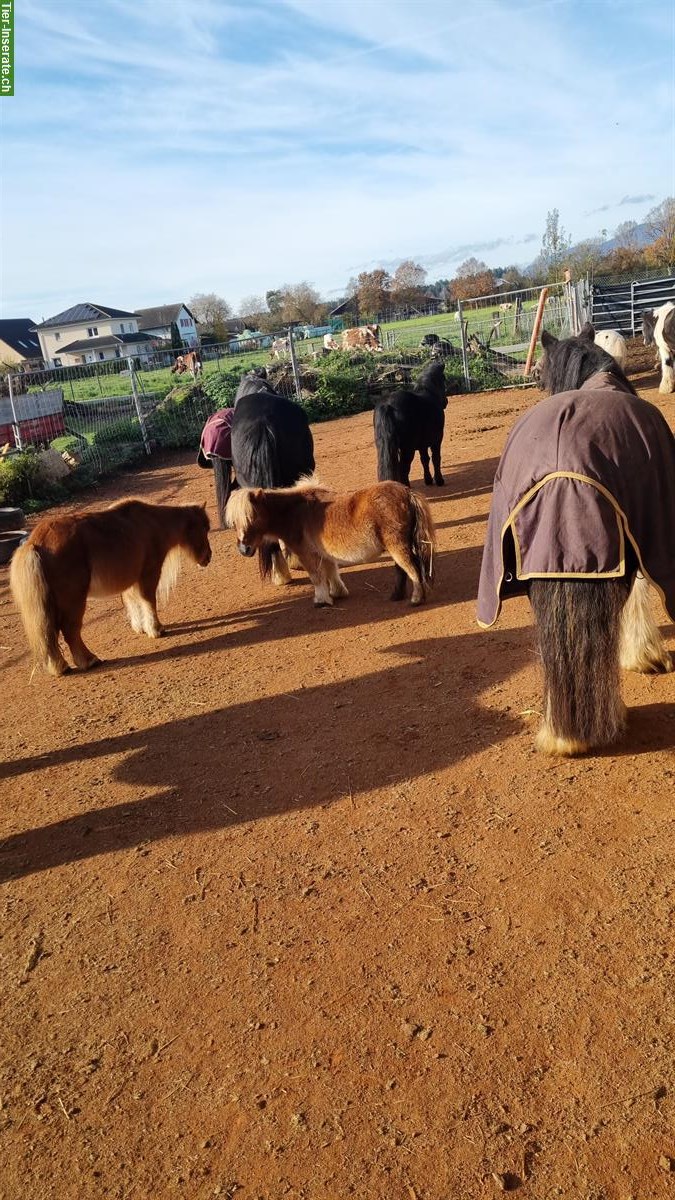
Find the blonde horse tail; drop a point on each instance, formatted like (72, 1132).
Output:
(423, 539)
(579, 630)
(171, 569)
(32, 597)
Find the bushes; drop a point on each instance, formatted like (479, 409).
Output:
(18, 475)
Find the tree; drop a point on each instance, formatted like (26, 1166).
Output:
(626, 235)
(555, 246)
(373, 292)
(474, 278)
(407, 286)
(660, 222)
(587, 257)
(212, 312)
(297, 302)
(252, 309)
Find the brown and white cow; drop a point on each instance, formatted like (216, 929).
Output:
(366, 336)
(189, 361)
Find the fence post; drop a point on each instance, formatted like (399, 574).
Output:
(632, 306)
(535, 330)
(294, 364)
(137, 406)
(15, 420)
(465, 352)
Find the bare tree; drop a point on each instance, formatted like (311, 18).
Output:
(211, 312)
(660, 222)
(555, 245)
(253, 308)
(407, 286)
(373, 291)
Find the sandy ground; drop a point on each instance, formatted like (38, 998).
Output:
(291, 908)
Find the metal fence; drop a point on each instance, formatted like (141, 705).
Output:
(621, 305)
(103, 415)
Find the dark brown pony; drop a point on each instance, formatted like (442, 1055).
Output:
(132, 549)
(323, 529)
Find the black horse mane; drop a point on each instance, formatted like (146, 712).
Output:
(568, 364)
(432, 381)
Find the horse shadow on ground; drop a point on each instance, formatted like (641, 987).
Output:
(282, 754)
(461, 480)
(293, 614)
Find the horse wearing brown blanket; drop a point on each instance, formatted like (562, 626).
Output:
(323, 529)
(583, 520)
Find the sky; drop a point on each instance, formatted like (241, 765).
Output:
(158, 148)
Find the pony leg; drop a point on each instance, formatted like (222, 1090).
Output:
(281, 573)
(436, 459)
(406, 463)
(71, 627)
(133, 605)
(405, 567)
(319, 571)
(667, 384)
(222, 478)
(578, 629)
(641, 648)
(424, 459)
(144, 598)
(336, 587)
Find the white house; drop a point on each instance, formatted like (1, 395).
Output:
(89, 333)
(158, 321)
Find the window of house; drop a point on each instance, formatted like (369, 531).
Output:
(93, 331)
(57, 362)
(121, 326)
(57, 337)
(101, 354)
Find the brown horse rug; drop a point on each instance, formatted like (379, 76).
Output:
(216, 441)
(585, 489)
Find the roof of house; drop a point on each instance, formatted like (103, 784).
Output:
(160, 315)
(17, 332)
(83, 312)
(108, 339)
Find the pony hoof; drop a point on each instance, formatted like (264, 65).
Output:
(427, 482)
(93, 663)
(323, 603)
(547, 742)
(440, 482)
(415, 600)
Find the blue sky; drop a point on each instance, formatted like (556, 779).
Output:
(156, 148)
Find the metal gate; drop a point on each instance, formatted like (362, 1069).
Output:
(621, 305)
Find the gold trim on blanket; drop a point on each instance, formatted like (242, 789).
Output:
(624, 531)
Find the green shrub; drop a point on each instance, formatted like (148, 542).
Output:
(18, 474)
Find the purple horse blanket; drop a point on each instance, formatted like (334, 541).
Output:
(216, 441)
(585, 476)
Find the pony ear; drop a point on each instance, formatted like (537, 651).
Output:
(547, 339)
(587, 333)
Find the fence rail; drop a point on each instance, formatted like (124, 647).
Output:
(621, 305)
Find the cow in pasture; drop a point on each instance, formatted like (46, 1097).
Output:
(365, 337)
(506, 307)
(280, 346)
(329, 342)
(189, 361)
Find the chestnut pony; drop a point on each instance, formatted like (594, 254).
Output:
(323, 529)
(132, 549)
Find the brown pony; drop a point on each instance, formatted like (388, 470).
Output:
(132, 549)
(323, 529)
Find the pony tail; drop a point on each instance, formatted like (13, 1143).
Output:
(32, 597)
(386, 441)
(578, 629)
(423, 538)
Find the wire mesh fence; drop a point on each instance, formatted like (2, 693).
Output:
(104, 415)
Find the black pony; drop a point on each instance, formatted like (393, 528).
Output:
(272, 447)
(409, 420)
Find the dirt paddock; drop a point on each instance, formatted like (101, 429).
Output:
(291, 908)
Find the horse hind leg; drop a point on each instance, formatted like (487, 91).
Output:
(424, 459)
(578, 630)
(405, 569)
(71, 627)
(436, 459)
(336, 587)
(641, 646)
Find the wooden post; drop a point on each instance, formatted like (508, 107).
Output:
(535, 330)
(15, 420)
